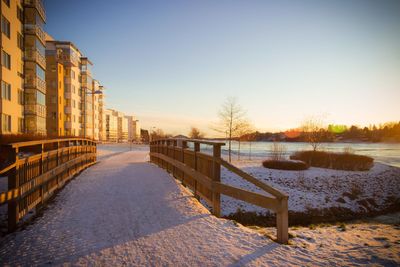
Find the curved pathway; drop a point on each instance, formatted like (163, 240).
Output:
(125, 211)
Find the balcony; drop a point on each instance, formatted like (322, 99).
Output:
(34, 55)
(67, 95)
(35, 82)
(67, 110)
(33, 109)
(36, 30)
(68, 59)
(38, 5)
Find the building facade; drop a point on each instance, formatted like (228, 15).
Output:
(67, 55)
(134, 133)
(95, 109)
(102, 116)
(111, 120)
(86, 91)
(12, 68)
(34, 66)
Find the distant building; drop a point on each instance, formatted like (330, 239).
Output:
(68, 55)
(111, 120)
(134, 131)
(102, 115)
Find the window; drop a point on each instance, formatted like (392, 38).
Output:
(40, 72)
(20, 97)
(21, 125)
(7, 2)
(73, 74)
(20, 41)
(20, 14)
(5, 59)
(5, 90)
(5, 123)
(5, 26)
(40, 98)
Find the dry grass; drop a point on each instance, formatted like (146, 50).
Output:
(337, 161)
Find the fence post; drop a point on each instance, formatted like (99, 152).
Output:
(41, 172)
(282, 232)
(216, 198)
(184, 145)
(13, 205)
(196, 150)
(174, 156)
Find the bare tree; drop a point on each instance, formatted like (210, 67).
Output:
(157, 134)
(278, 151)
(231, 118)
(312, 128)
(195, 133)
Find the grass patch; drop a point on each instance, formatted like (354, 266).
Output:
(289, 165)
(337, 161)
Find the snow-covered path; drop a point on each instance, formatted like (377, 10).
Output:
(126, 211)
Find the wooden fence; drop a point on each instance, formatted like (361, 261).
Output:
(38, 168)
(201, 172)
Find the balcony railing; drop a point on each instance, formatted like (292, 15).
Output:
(67, 110)
(38, 110)
(38, 5)
(35, 29)
(34, 55)
(35, 82)
(67, 59)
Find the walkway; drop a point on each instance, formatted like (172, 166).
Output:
(125, 211)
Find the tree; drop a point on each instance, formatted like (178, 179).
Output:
(313, 131)
(195, 133)
(157, 134)
(231, 118)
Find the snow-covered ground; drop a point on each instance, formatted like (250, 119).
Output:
(318, 188)
(126, 211)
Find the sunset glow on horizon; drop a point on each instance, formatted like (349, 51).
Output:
(173, 63)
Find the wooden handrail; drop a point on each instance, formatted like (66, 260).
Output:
(8, 168)
(251, 179)
(39, 142)
(200, 141)
(201, 173)
(33, 179)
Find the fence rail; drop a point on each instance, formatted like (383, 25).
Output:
(202, 174)
(38, 168)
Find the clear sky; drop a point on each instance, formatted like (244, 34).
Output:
(172, 63)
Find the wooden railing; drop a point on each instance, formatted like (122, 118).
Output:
(201, 172)
(38, 168)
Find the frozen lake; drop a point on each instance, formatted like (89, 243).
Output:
(387, 153)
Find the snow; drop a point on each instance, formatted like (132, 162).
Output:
(317, 188)
(126, 211)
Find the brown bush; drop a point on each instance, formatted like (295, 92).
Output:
(337, 161)
(289, 165)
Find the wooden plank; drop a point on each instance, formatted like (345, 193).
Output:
(186, 169)
(247, 196)
(253, 180)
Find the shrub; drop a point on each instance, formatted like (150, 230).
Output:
(278, 151)
(290, 165)
(337, 161)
